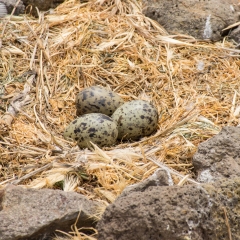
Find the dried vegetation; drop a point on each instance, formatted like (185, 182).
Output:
(45, 62)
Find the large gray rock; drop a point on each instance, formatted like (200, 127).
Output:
(198, 18)
(219, 156)
(31, 214)
(199, 212)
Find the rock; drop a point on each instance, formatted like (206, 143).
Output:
(41, 5)
(56, 3)
(10, 6)
(160, 178)
(235, 35)
(199, 212)
(30, 6)
(219, 156)
(198, 18)
(3, 10)
(32, 214)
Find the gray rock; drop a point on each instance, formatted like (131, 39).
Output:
(160, 178)
(31, 214)
(235, 35)
(10, 6)
(219, 156)
(198, 18)
(41, 5)
(3, 10)
(30, 6)
(199, 212)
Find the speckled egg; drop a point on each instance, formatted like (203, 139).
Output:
(95, 127)
(135, 119)
(97, 99)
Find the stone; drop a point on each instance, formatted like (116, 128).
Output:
(200, 212)
(32, 214)
(30, 6)
(198, 18)
(219, 156)
(160, 178)
(41, 5)
(3, 10)
(20, 8)
(235, 35)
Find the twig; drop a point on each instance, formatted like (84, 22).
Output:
(183, 180)
(6, 181)
(39, 121)
(15, 182)
(163, 166)
(16, 104)
(227, 224)
(169, 56)
(40, 44)
(4, 28)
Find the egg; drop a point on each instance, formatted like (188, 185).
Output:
(136, 119)
(95, 127)
(97, 99)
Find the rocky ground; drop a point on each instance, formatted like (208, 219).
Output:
(203, 211)
(152, 209)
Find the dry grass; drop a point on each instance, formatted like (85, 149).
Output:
(46, 61)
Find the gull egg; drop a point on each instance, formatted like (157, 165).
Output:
(98, 128)
(97, 99)
(136, 119)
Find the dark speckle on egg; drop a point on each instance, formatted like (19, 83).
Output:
(76, 130)
(92, 130)
(84, 96)
(102, 102)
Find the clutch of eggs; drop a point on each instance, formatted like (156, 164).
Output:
(129, 121)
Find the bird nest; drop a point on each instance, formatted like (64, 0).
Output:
(45, 62)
